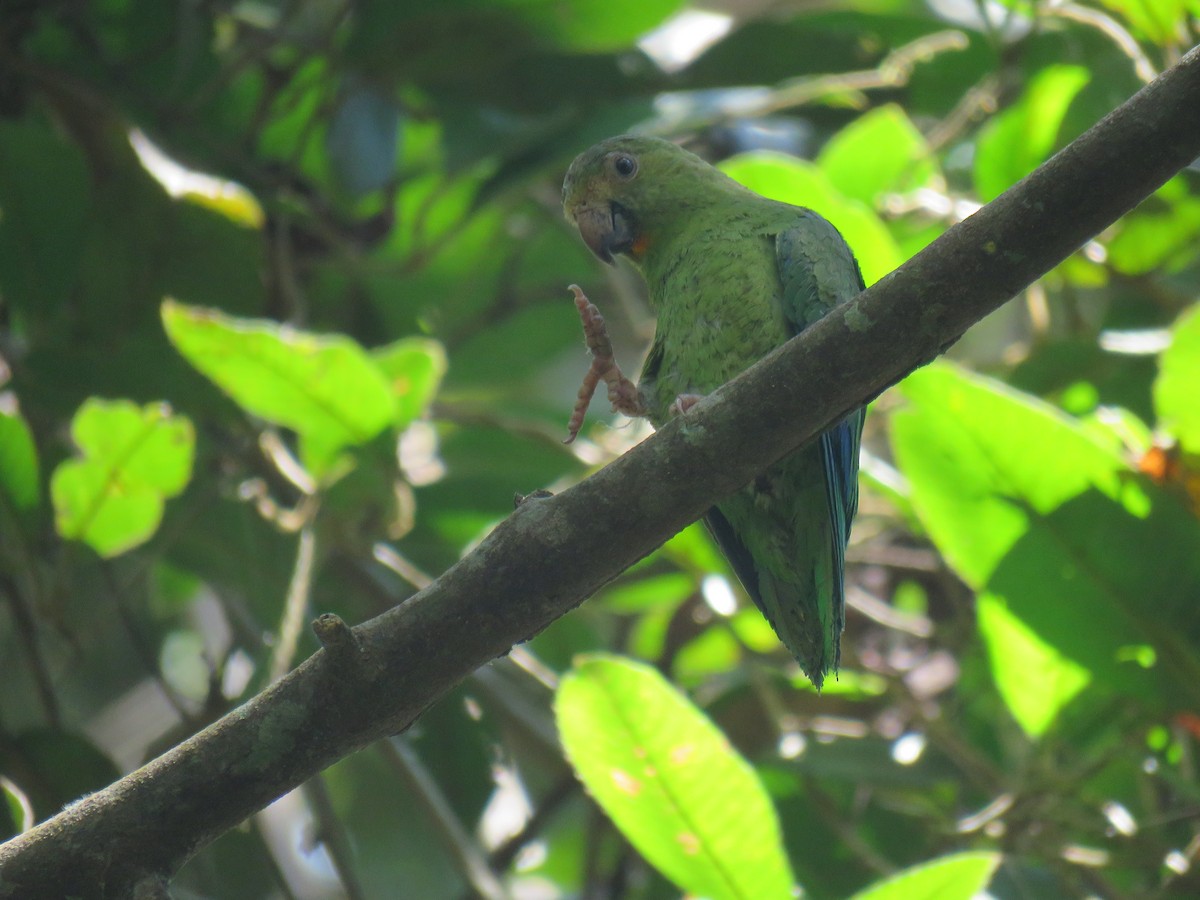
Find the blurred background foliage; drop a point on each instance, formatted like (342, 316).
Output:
(284, 326)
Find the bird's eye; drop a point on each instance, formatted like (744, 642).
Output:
(625, 166)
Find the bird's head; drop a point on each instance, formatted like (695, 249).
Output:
(625, 193)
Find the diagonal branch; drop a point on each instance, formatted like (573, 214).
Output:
(552, 553)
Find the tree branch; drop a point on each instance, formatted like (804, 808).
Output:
(552, 553)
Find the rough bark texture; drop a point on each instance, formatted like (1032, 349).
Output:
(552, 553)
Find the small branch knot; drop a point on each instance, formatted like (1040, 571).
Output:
(341, 644)
(540, 494)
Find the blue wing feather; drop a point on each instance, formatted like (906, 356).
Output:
(839, 455)
(817, 272)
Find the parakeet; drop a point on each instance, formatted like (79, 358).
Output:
(731, 275)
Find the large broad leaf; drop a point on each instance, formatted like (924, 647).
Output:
(131, 460)
(881, 151)
(1086, 572)
(326, 388)
(669, 780)
(1036, 680)
(802, 183)
(1177, 390)
(18, 462)
(1019, 139)
(958, 877)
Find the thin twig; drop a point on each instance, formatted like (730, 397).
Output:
(1111, 29)
(332, 833)
(291, 625)
(388, 556)
(472, 862)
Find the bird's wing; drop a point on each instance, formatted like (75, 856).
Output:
(817, 272)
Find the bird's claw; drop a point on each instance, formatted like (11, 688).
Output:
(681, 404)
(623, 394)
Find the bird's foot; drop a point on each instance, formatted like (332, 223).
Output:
(684, 402)
(623, 394)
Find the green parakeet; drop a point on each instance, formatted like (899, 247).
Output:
(732, 275)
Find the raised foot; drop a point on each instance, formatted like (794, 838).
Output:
(623, 394)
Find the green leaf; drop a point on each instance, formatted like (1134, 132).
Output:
(961, 876)
(18, 461)
(415, 367)
(594, 25)
(1160, 20)
(713, 651)
(1046, 518)
(798, 181)
(1178, 385)
(1160, 233)
(880, 152)
(1034, 678)
(641, 594)
(845, 683)
(1021, 137)
(995, 443)
(669, 780)
(326, 388)
(18, 809)
(131, 460)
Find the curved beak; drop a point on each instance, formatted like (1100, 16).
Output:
(606, 229)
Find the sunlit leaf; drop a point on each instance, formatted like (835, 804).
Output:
(638, 595)
(1031, 507)
(997, 442)
(1021, 137)
(802, 183)
(669, 780)
(1162, 21)
(594, 25)
(753, 630)
(18, 461)
(415, 367)
(694, 549)
(131, 459)
(844, 683)
(1035, 679)
(1177, 390)
(880, 152)
(962, 876)
(648, 637)
(714, 651)
(324, 387)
